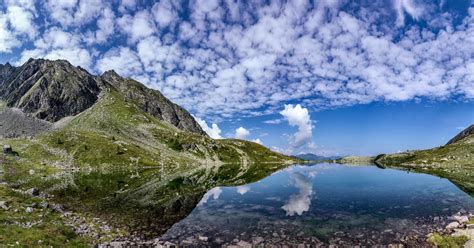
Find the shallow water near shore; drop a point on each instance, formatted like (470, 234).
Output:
(324, 203)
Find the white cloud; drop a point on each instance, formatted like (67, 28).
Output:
(299, 203)
(241, 133)
(408, 6)
(164, 13)
(258, 141)
(58, 44)
(213, 132)
(299, 117)
(138, 26)
(123, 60)
(273, 121)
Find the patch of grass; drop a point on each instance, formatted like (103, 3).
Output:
(446, 241)
(50, 229)
(471, 220)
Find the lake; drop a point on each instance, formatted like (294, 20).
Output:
(234, 204)
(324, 203)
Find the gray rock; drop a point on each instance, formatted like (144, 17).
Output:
(33, 192)
(257, 240)
(44, 204)
(453, 225)
(3, 205)
(461, 218)
(29, 210)
(7, 149)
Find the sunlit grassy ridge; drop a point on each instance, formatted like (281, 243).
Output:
(454, 162)
(114, 132)
(47, 227)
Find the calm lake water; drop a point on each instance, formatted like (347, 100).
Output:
(324, 203)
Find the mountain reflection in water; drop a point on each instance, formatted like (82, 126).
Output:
(270, 203)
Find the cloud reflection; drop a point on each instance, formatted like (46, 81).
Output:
(243, 189)
(299, 203)
(214, 193)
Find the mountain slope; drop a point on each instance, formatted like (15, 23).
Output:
(454, 161)
(463, 134)
(119, 123)
(52, 90)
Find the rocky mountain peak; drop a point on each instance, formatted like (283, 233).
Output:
(51, 90)
(463, 134)
(153, 102)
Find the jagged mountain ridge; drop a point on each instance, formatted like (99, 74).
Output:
(463, 134)
(52, 90)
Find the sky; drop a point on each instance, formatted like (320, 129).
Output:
(330, 77)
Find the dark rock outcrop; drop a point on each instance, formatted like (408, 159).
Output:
(50, 90)
(5, 71)
(463, 134)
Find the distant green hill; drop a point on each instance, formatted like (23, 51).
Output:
(314, 157)
(454, 161)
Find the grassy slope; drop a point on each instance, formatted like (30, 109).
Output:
(49, 229)
(454, 162)
(116, 133)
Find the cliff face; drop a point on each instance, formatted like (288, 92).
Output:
(52, 90)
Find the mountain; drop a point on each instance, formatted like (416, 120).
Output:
(105, 120)
(52, 90)
(110, 149)
(314, 157)
(463, 134)
(454, 161)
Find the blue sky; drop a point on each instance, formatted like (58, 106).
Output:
(328, 77)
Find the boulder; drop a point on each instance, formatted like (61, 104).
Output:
(461, 218)
(33, 192)
(7, 149)
(3, 205)
(453, 225)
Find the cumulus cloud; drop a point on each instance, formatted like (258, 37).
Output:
(213, 132)
(299, 117)
(241, 133)
(299, 203)
(258, 141)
